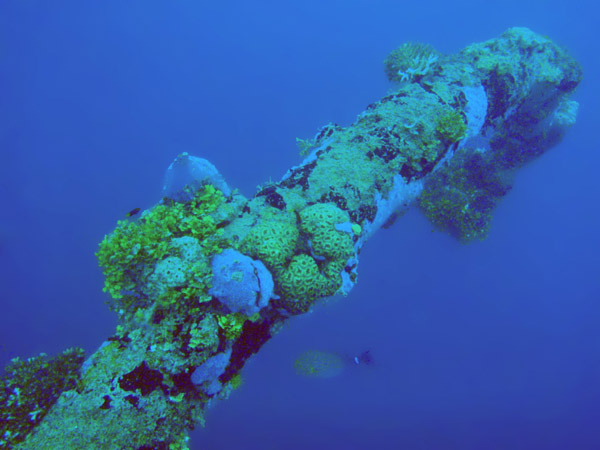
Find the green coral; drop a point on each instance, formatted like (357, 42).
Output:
(302, 283)
(236, 381)
(232, 325)
(30, 387)
(319, 221)
(204, 334)
(197, 282)
(273, 241)
(181, 443)
(126, 253)
(193, 282)
(461, 196)
(307, 278)
(451, 126)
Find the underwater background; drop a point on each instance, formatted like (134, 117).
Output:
(491, 345)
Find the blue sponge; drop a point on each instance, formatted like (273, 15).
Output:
(240, 282)
(187, 174)
(207, 374)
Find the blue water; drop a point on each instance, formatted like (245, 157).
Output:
(494, 345)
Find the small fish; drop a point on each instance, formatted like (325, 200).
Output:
(364, 358)
(133, 212)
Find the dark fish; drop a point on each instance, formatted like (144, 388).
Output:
(133, 212)
(364, 358)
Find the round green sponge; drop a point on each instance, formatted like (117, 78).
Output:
(319, 222)
(273, 242)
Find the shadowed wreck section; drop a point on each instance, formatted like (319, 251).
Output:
(204, 278)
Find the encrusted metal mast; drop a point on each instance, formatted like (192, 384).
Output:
(203, 279)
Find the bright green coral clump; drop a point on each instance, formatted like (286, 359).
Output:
(30, 387)
(316, 272)
(302, 283)
(451, 126)
(126, 254)
(272, 241)
(319, 222)
(232, 325)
